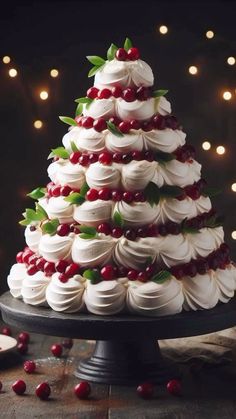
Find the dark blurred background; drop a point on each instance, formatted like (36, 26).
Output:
(41, 35)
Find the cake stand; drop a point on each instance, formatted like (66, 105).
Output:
(126, 350)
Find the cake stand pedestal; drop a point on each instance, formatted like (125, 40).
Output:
(127, 350)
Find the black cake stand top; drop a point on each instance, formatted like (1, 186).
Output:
(116, 327)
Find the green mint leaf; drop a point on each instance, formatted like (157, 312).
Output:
(93, 71)
(68, 120)
(86, 236)
(152, 193)
(114, 130)
(127, 44)
(79, 109)
(88, 230)
(50, 227)
(41, 212)
(210, 192)
(83, 100)
(118, 220)
(84, 189)
(24, 222)
(73, 146)
(92, 275)
(162, 157)
(149, 261)
(111, 52)
(59, 152)
(159, 93)
(96, 60)
(75, 198)
(214, 221)
(37, 193)
(161, 277)
(169, 191)
(190, 230)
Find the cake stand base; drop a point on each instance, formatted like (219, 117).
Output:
(127, 350)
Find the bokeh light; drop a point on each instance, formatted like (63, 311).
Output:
(38, 124)
(227, 95)
(220, 150)
(43, 95)
(231, 60)
(210, 34)
(54, 73)
(206, 145)
(163, 29)
(193, 70)
(6, 59)
(12, 72)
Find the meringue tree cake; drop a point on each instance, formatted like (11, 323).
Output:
(126, 222)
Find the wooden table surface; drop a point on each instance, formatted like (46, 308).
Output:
(207, 392)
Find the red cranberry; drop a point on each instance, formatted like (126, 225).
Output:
(129, 94)
(40, 264)
(87, 122)
(133, 54)
(104, 94)
(49, 268)
(26, 255)
(225, 249)
(63, 278)
(117, 157)
(29, 367)
(65, 190)
(174, 387)
(124, 127)
(126, 158)
(93, 158)
(55, 191)
(149, 155)
(130, 234)
(145, 390)
(147, 126)
(121, 54)
(56, 350)
(72, 269)
(182, 196)
(100, 124)
(67, 343)
(122, 271)
(137, 155)
(171, 122)
(177, 271)
(190, 269)
(92, 92)
(32, 269)
(152, 230)
(116, 91)
(150, 269)
(84, 160)
(116, 195)
(143, 93)
(162, 230)
(19, 387)
(142, 232)
(104, 228)
(181, 154)
(82, 390)
(24, 337)
(63, 230)
(107, 272)
(117, 232)
(32, 228)
(134, 124)
(74, 157)
(105, 158)
(173, 228)
(192, 191)
(104, 194)
(6, 331)
(128, 196)
(132, 274)
(142, 277)
(43, 391)
(19, 257)
(22, 348)
(78, 120)
(32, 260)
(201, 184)
(159, 122)
(61, 266)
(92, 195)
(115, 120)
(202, 266)
(213, 261)
(139, 197)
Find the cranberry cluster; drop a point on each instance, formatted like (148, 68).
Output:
(183, 154)
(218, 259)
(158, 121)
(132, 54)
(129, 94)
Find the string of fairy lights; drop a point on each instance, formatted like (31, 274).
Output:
(193, 70)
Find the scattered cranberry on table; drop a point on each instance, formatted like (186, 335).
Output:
(82, 390)
(145, 390)
(43, 391)
(22, 348)
(29, 366)
(174, 387)
(19, 387)
(56, 350)
(24, 337)
(6, 331)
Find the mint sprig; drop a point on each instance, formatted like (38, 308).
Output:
(152, 193)
(50, 227)
(84, 100)
(210, 192)
(59, 152)
(114, 130)
(214, 221)
(127, 44)
(162, 157)
(159, 93)
(68, 120)
(118, 219)
(79, 109)
(97, 62)
(73, 146)
(84, 189)
(161, 277)
(93, 275)
(75, 198)
(169, 191)
(87, 232)
(37, 193)
(31, 215)
(111, 52)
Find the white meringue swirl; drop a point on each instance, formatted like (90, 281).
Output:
(226, 281)
(100, 108)
(15, 279)
(105, 298)
(175, 250)
(137, 174)
(66, 297)
(129, 142)
(101, 176)
(137, 213)
(163, 106)
(93, 213)
(180, 174)
(134, 254)
(54, 248)
(200, 292)
(166, 140)
(203, 242)
(32, 237)
(34, 289)
(139, 110)
(93, 252)
(57, 207)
